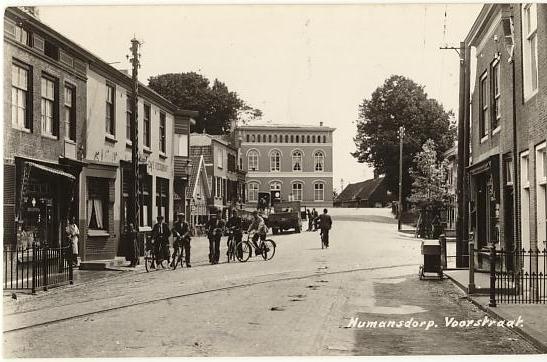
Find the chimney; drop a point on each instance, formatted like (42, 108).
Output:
(320, 124)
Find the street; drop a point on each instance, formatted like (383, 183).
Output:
(302, 302)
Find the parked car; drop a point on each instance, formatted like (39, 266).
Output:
(285, 216)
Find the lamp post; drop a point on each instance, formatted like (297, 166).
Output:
(400, 206)
(133, 210)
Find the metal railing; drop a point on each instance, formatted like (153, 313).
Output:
(36, 267)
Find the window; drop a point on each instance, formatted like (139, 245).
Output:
(297, 191)
(258, 138)
(292, 138)
(110, 121)
(287, 138)
(248, 138)
(48, 101)
(275, 138)
(162, 197)
(70, 114)
(496, 110)
(308, 139)
(220, 158)
(162, 132)
(20, 107)
(97, 206)
(541, 163)
(297, 160)
(219, 187)
(22, 36)
(525, 182)
(253, 138)
(264, 138)
(252, 160)
(313, 139)
(51, 50)
(146, 201)
(275, 186)
(128, 118)
(275, 161)
(483, 99)
(297, 139)
(541, 187)
(319, 191)
(324, 139)
(530, 52)
(231, 163)
(146, 126)
(319, 161)
(252, 192)
(508, 171)
(270, 138)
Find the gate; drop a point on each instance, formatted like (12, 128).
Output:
(36, 267)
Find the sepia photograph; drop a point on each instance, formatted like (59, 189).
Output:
(194, 179)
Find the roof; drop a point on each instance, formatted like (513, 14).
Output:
(285, 127)
(204, 139)
(360, 190)
(194, 161)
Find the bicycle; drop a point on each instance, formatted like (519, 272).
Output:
(151, 256)
(266, 247)
(177, 250)
(241, 250)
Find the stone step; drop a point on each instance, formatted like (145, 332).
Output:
(103, 264)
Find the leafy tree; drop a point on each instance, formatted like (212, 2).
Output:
(218, 107)
(430, 193)
(400, 102)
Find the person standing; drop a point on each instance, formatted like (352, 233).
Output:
(310, 219)
(214, 227)
(132, 246)
(325, 224)
(160, 234)
(234, 225)
(181, 233)
(315, 215)
(73, 234)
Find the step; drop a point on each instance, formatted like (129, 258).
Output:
(103, 264)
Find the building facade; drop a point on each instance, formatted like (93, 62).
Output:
(368, 193)
(295, 160)
(44, 129)
(507, 118)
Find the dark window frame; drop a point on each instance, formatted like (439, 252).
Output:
(72, 112)
(29, 120)
(110, 123)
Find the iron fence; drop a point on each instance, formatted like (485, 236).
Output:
(518, 276)
(36, 267)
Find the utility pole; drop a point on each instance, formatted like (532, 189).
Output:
(463, 158)
(400, 206)
(133, 209)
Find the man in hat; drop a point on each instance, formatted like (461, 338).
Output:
(160, 234)
(181, 233)
(214, 227)
(325, 224)
(234, 224)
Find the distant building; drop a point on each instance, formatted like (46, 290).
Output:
(369, 193)
(198, 193)
(295, 160)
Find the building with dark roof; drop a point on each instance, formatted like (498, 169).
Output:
(369, 193)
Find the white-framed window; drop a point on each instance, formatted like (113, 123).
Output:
(252, 160)
(97, 206)
(48, 106)
(541, 187)
(524, 163)
(297, 188)
(220, 158)
(496, 78)
(20, 118)
(530, 51)
(275, 186)
(219, 187)
(319, 191)
(70, 114)
(252, 192)
(22, 36)
(163, 138)
(110, 122)
(525, 200)
(483, 100)
(509, 172)
(297, 160)
(181, 144)
(128, 118)
(319, 161)
(275, 161)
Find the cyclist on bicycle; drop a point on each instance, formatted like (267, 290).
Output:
(234, 225)
(325, 224)
(215, 228)
(160, 234)
(259, 226)
(181, 233)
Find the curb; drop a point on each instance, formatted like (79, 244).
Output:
(527, 336)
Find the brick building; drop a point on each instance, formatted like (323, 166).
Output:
(44, 128)
(507, 48)
(296, 160)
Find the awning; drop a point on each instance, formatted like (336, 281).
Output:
(51, 170)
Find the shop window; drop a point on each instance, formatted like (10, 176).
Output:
(162, 197)
(97, 205)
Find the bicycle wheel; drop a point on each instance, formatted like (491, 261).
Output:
(268, 249)
(243, 251)
(148, 260)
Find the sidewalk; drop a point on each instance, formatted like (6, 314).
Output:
(534, 316)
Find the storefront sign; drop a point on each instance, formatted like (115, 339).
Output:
(158, 166)
(106, 155)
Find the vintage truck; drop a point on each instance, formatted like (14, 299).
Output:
(285, 216)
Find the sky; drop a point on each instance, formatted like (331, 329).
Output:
(299, 64)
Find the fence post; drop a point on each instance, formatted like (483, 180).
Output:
(471, 285)
(70, 270)
(34, 266)
(45, 261)
(442, 241)
(492, 276)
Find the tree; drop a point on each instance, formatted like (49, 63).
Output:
(430, 193)
(218, 107)
(400, 102)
